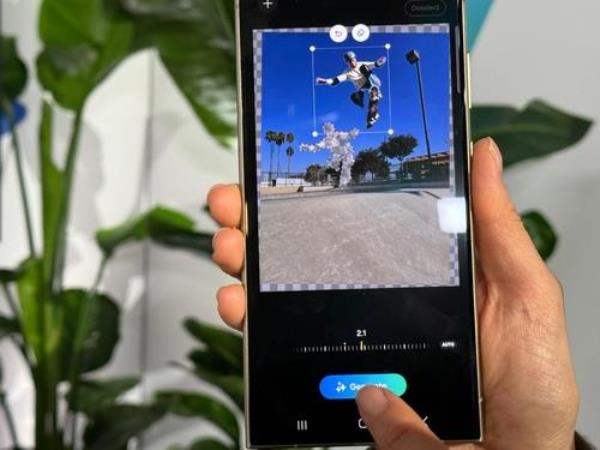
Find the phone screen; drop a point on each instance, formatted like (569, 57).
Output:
(358, 263)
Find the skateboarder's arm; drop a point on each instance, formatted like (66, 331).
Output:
(333, 81)
(374, 64)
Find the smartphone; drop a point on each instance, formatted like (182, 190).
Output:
(354, 159)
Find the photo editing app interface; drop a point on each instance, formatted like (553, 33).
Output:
(362, 225)
(356, 159)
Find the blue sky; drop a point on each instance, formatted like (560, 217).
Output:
(288, 91)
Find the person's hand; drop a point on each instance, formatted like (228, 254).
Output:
(322, 81)
(530, 394)
(381, 61)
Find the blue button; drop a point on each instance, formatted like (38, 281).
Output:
(346, 387)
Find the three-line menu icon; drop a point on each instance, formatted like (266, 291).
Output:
(302, 425)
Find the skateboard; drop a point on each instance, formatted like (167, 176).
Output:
(373, 113)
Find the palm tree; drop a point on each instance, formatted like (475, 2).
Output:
(279, 140)
(270, 137)
(289, 152)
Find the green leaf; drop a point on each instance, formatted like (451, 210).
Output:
(203, 444)
(82, 45)
(185, 11)
(13, 71)
(113, 427)
(226, 345)
(231, 385)
(541, 232)
(187, 34)
(164, 226)
(8, 326)
(485, 117)
(84, 40)
(198, 405)
(49, 325)
(209, 88)
(102, 329)
(212, 368)
(537, 131)
(213, 362)
(95, 395)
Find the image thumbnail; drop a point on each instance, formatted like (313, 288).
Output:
(355, 159)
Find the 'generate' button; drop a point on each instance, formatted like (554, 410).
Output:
(346, 387)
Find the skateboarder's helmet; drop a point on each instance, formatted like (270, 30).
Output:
(349, 56)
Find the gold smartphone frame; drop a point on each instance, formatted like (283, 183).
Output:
(245, 223)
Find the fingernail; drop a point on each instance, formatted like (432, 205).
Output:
(496, 152)
(371, 401)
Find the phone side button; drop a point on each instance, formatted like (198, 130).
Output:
(469, 98)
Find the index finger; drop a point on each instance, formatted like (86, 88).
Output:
(225, 204)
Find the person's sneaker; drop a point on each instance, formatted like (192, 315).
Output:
(372, 120)
(358, 98)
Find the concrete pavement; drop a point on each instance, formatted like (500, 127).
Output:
(357, 238)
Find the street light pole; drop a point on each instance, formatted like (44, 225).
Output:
(414, 58)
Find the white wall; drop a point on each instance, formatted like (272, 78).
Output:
(551, 50)
(545, 49)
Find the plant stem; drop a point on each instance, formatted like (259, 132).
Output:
(60, 239)
(20, 174)
(44, 375)
(80, 334)
(10, 300)
(9, 420)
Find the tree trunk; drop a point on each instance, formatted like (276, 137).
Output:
(271, 162)
(278, 153)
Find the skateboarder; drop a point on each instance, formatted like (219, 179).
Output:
(360, 73)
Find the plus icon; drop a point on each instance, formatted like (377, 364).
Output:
(268, 5)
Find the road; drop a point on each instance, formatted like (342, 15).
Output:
(354, 238)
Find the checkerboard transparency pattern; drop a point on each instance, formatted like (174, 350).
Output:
(453, 272)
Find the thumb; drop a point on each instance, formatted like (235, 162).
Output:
(393, 424)
(504, 249)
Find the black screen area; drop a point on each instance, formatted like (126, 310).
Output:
(355, 172)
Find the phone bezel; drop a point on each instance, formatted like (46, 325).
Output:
(466, 98)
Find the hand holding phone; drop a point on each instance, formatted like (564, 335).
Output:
(513, 279)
